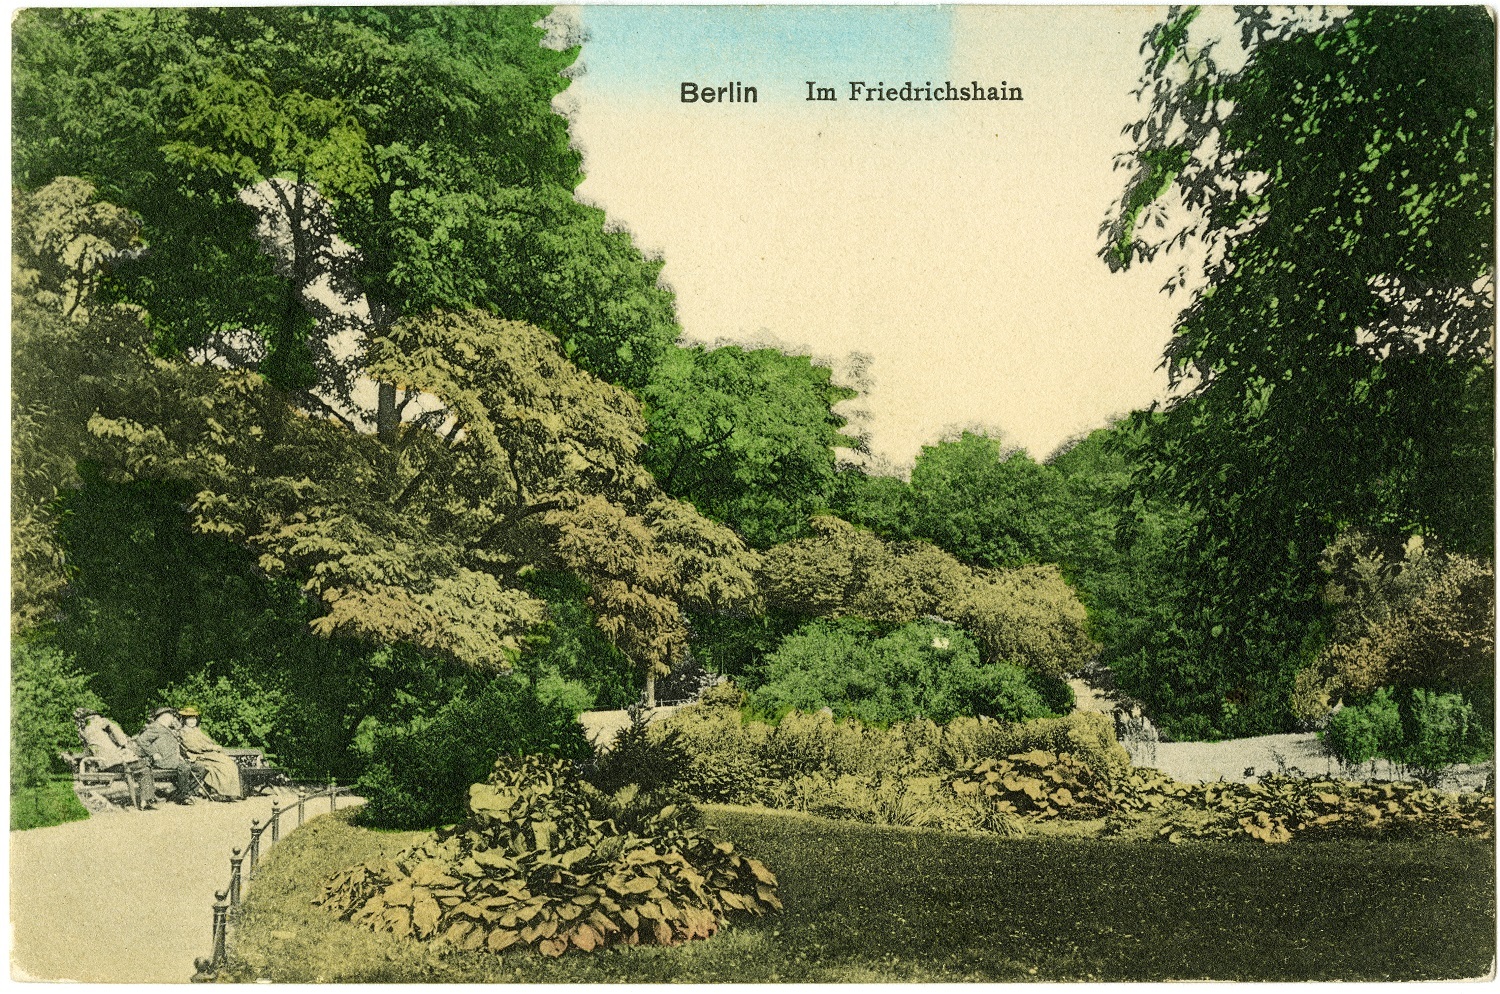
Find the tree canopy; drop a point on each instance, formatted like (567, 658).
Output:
(747, 435)
(519, 461)
(1339, 350)
(1028, 616)
(406, 158)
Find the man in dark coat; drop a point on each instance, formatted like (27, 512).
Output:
(159, 741)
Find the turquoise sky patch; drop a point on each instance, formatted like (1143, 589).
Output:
(634, 51)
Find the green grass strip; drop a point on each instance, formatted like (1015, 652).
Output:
(875, 904)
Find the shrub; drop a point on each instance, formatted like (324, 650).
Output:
(570, 695)
(1279, 809)
(797, 762)
(634, 757)
(1357, 734)
(1443, 729)
(418, 773)
(1028, 616)
(539, 862)
(1423, 729)
(238, 712)
(1414, 617)
(1038, 784)
(44, 689)
(920, 669)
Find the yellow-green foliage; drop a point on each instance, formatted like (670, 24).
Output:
(1278, 808)
(1038, 784)
(1041, 785)
(980, 775)
(1418, 618)
(536, 865)
(897, 775)
(1028, 616)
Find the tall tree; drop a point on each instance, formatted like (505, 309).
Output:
(70, 353)
(748, 436)
(422, 138)
(1340, 349)
(521, 461)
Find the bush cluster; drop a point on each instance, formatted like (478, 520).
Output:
(541, 862)
(844, 769)
(1278, 809)
(45, 687)
(1358, 734)
(417, 774)
(635, 756)
(923, 669)
(1422, 729)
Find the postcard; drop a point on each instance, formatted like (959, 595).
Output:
(752, 494)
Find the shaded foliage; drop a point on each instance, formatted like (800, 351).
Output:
(418, 774)
(1339, 350)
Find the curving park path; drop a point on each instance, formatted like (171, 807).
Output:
(127, 896)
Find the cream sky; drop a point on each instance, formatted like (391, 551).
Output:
(952, 243)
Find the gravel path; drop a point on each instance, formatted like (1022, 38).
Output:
(1243, 760)
(126, 896)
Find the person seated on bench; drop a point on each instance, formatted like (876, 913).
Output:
(223, 781)
(159, 741)
(117, 753)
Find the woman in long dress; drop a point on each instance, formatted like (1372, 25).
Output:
(223, 779)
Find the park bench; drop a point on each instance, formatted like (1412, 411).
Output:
(98, 788)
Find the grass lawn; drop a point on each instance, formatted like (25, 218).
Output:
(874, 904)
(54, 803)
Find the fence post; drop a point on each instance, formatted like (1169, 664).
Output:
(301, 800)
(333, 797)
(255, 829)
(275, 821)
(234, 877)
(221, 925)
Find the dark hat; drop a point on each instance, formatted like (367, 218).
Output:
(161, 711)
(81, 713)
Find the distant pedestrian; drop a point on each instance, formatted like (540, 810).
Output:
(117, 752)
(159, 741)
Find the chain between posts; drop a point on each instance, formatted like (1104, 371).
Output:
(240, 875)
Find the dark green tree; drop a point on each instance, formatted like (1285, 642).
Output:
(747, 436)
(1339, 349)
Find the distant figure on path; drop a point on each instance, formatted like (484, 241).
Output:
(117, 751)
(159, 741)
(223, 780)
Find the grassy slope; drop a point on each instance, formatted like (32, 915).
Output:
(866, 903)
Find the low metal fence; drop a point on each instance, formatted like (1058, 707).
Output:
(240, 874)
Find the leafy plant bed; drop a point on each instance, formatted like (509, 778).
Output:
(875, 904)
(1027, 788)
(544, 861)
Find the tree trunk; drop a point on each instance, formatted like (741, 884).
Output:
(650, 690)
(386, 418)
